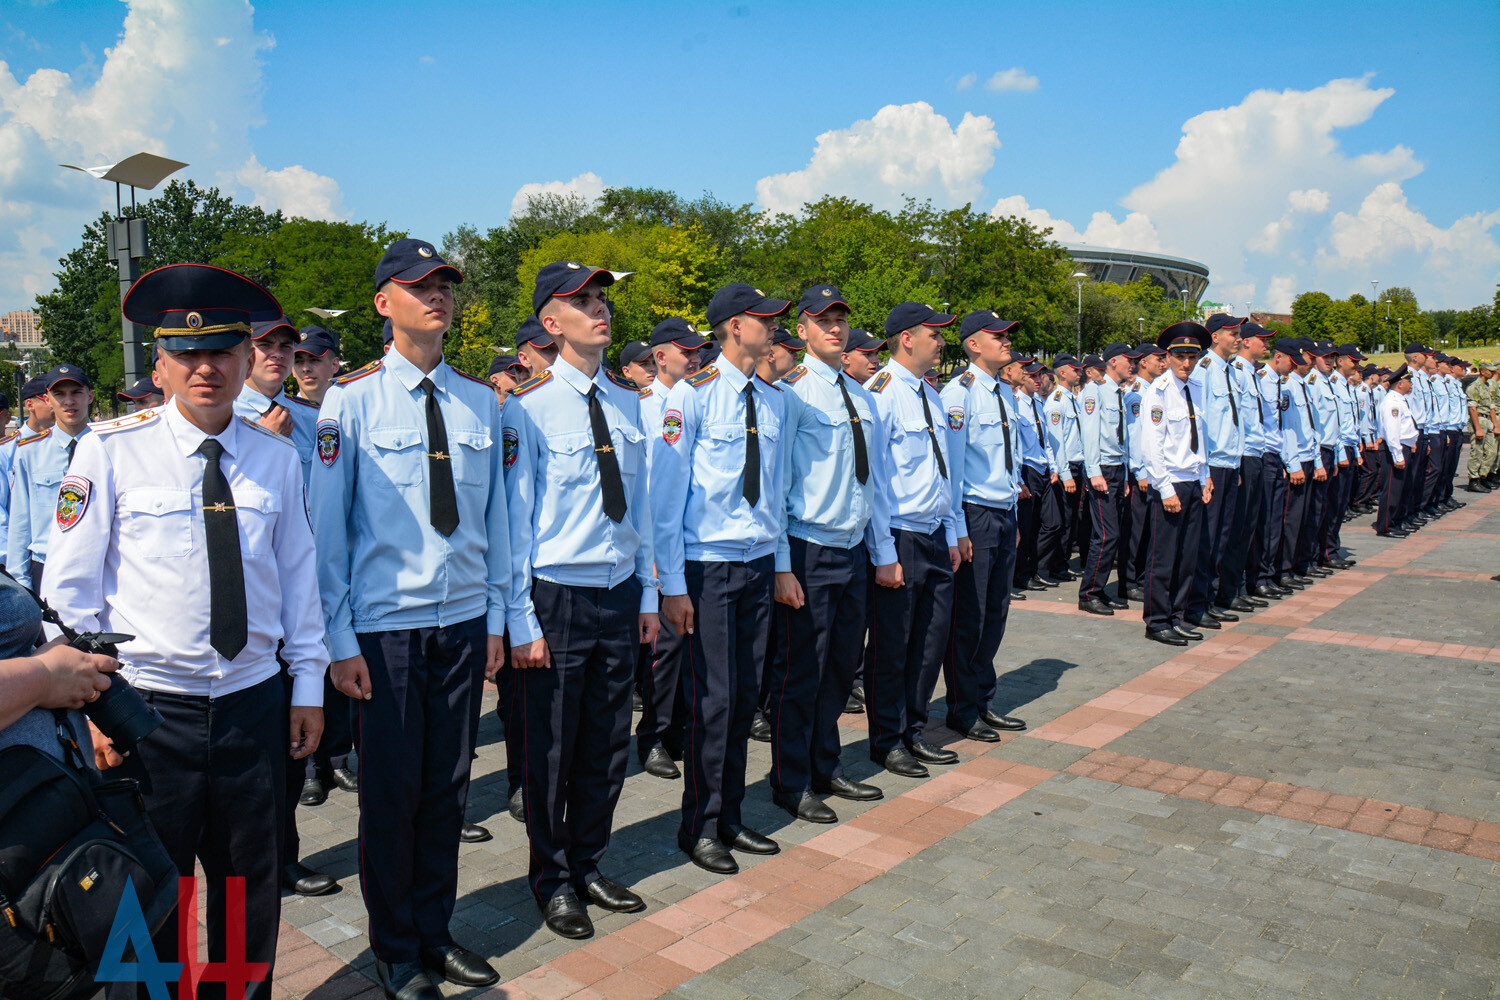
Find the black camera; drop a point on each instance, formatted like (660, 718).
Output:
(120, 713)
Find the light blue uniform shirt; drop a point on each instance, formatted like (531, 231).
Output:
(1457, 402)
(1219, 416)
(977, 419)
(1135, 461)
(1325, 409)
(1062, 413)
(1252, 409)
(1033, 432)
(1365, 400)
(825, 502)
(382, 566)
(558, 529)
(40, 463)
(1348, 406)
(1419, 401)
(653, 400)
(1277, 418)
(1300, 420)
(922, 499)
(7, 460)
(698, 474)
(252, 404)
(1099, 426)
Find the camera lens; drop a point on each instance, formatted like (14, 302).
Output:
(122, 715)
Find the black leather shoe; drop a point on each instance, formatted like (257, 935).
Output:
(1254, 602)
(473, 833)
(929, 754)
(1118, 603)
(858, 693)
(459, 966)
(1016, 595)
(900, 761)
(760, 729)
(346, 779)
(313, 793)
(302, 880)
(1208, 623)
(1035, 583)
(1335, 563)
(984, 734)
(805, 806)
(1165, 635)
(1135, 594)
(1305, 581)
(1474, 487)
(1272, 593)
(566, 917)
(405, 981)
(847, 788)
(1242, 605)
(517, 806)
(1003, 722)
(1222, 616)
(1187, 633)
(1319, 571)
(853, 706)
(708, 854)
(742, 838)
(611, 895)
(1393, 533)
(1094, 606)
(659, 763)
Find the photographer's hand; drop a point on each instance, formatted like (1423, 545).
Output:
(105, 756)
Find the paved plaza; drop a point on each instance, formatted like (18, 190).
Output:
(1305, 804)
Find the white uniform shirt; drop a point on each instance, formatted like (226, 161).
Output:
(1166, 436)
(1397, 427)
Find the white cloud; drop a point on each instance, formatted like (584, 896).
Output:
(184, 80)
(1283, 290)
(905, 150)
(1013, 80)
(967, 80)
(587, 185)
(1134, 232)
(1297, 203)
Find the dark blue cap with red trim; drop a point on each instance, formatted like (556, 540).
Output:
(564, 277)
(983, 321)
(819, 298)
(739, 298)
(676, 330)
(409, 261)
(910, 314)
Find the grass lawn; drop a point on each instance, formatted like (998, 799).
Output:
(1489, 353)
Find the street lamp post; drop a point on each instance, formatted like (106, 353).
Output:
(1374, 301)
(1080, 277)
(1140, 327)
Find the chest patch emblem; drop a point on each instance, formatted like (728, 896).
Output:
(671, 426)
(512, 441)
(327, 435)
(72, 500)
(956, 418)
(1156, 414)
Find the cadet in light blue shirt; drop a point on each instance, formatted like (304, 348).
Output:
(1222, 422)
(1065, 497)
(1239, 567)
(264, 399)
(37, 417)
(1105, 454)
(584, 593)
(40, 469)
(408, 512)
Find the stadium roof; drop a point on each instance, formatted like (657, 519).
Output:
(1121, 267)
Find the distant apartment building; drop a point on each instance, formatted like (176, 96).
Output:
(21, 328)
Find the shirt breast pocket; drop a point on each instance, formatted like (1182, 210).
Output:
(630, 445)
(257, 511)
(829, 430)
(398, 456)
(159, 523)
(471, 456)
(570, 458)
(724, 446)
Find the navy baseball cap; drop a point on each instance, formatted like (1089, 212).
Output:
(1223, 321)
(1321, 348)
(633, 352)
(1184, 336)
(910, 314)
(64, 373)
(409, 261)
(1093, 361)
(1067, 361)
(143, 387)
(531, 331)
(1147, 349)
(317, 341)
(711, 350)
(564, 277)
(676, 330)
(739, 298)
(1250, 329)
(819, 298)
(1418, 349)
(503, 362)
(1115, 350)
(860, 340)
(1351, 351)
(982, 321)
(259, 330)
(781, 338)
(1292, 348)
(198, 307)
(33, 388)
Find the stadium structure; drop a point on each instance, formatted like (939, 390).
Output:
(1121, 267)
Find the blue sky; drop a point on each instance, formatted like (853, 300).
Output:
(1328, 146)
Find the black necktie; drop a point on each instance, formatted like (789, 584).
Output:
(1279, 408)
(226, 573)
(752, 449)
(1260, 409)
(1311, 419)
(441, 500)
(1187, 391)
(72, 447)
(1036, 411)
(604, 452)
(1234, 408)
(861, 457)
(1120, 422)
(931, 436)
(1004, 426)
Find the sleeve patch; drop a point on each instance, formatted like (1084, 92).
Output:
(955, 418)
(1156, 414)
(512, 446)
(1088, 405)
(327, 437)
(72, 500)
(1135, 408)
(1056, 417)
(671, 426)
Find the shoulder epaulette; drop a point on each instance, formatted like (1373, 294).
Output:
(10, 437)
(1057, 395)
(532, 383)
(474, 378)
(34, 437)
(1204, 362)
(881, 381)
(769, 385)
(644, 392)
(359, 373)
(266, 431)
(966, 379)
(792, 377)
(702, 376)
(622, 381)
(138, 419)
(1312, 377)
(304, 402)
(1281, 378)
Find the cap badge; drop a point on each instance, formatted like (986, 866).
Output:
(760, 293)
(194, 320)
(424, 251)
(827, 293)
(573, 267)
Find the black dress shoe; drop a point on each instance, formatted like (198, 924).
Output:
(847, 788)
(1049, 584)
(1393, 533)
(517, 806)
(858, 693)
(1268, 594)
(929, 754)
(637, 703)
(473, 833)
(1474, 487)
(979, 731)
(346, 779)
(459, 966)
(566, 917)
(611, 895)
(760, 729)
(1305, 581)
(1319, 571)
(805, 806)
(708, 854)
(1222, 616)
(900, 761)
(1135, 594)
(1117, 603)
(313, 793)
(1187, 633)
(1208, 623)
(1165, 635)
(304, 881)
(1035, 583)
(1243, 605)
(1094, 606)
(1336, 563)
(998, 721)
(659, 763)
(405, 981)
(853, 706)
(742, 838)
(1016, 595)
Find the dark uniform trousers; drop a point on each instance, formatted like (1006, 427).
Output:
(663, 707)
(1436, 460)
(1270, 523)
(212, 777)
(1060, 513)
(981, 607)
(1342, 495)
(1392, 490)
(1029, 522)
(1214, 540)
(907, 640)
(338, 735)
(1138, 545)
(416, 735)
(1310, 542)
(1175, 541)
(574, 733)
(1293, 520)
(1417, 463)
(721, 685)
(818, 648)
(1453, 443)
(1108, 512)
(1371, 480)
(1248, 508)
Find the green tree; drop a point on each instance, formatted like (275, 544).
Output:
(1308, 315)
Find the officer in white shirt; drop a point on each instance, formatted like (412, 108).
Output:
(1398, 431)
(187, 527)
